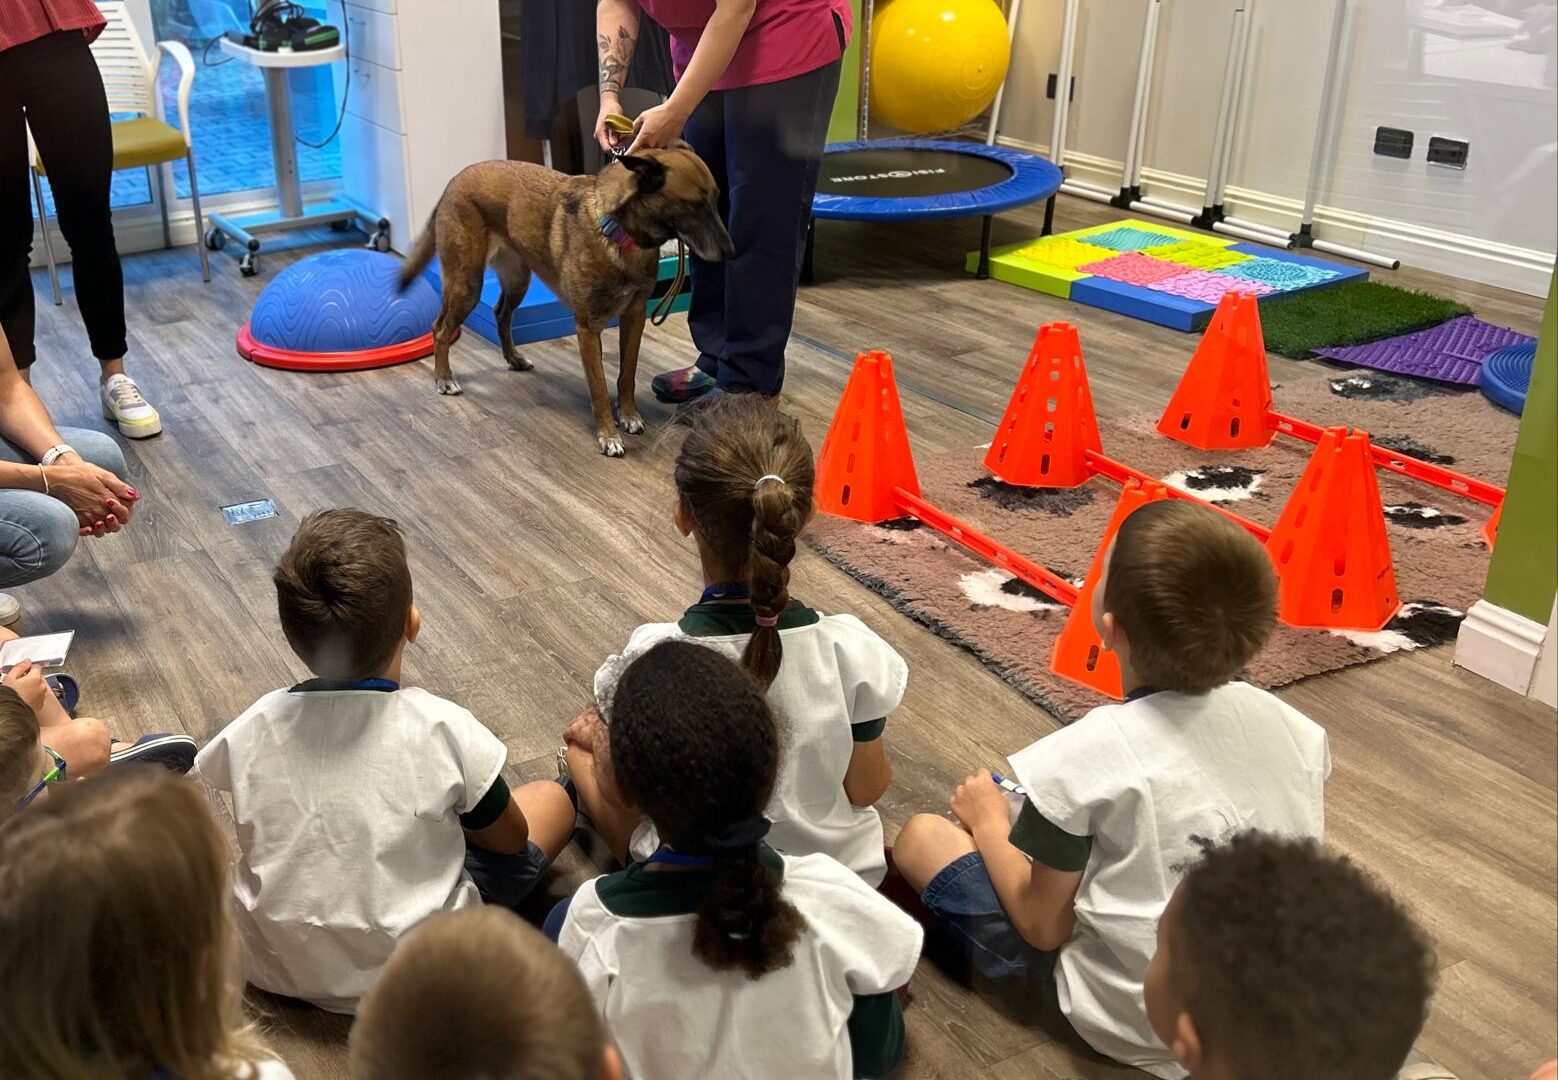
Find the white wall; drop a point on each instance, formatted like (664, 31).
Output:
(1455, 71)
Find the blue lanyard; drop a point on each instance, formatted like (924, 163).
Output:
(729, 590)
(666, 856)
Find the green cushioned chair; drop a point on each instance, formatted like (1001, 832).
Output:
(145, 141)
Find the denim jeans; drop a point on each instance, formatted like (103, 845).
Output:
(38, 533)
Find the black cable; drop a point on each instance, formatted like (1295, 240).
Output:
(346, 44)
(205, 55)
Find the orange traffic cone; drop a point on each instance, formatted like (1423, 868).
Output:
(1329, 547)
(866, 452)
(1224, 396)
(1049, 424)
(1079, 651)
(1490, 527)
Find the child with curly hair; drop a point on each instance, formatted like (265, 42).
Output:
(716, 955)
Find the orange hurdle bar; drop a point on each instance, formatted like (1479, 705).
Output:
(1046, 581)
(1223, 402)
(865, 472)
(1410, 467)
(1120, 473)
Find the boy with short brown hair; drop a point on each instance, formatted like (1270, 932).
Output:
(480, 995)
(364, 807)
(22, 757)
(1065, 894)
(1278, 960)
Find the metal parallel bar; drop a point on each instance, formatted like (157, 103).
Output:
(1410, 467)
(1120, 473)
(1224, 105)
(1129, 174)
(966, 536)
(1324, 124)
(1014, 8)
(1057, 139)
(1243, 19)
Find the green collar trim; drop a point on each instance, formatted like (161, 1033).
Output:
(728, 620)
(641, 893)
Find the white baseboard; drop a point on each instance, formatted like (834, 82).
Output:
(1525, 270)
(1500, 645)
(1544, 682)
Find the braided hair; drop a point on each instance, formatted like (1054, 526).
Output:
(744, 477)
(694, 745)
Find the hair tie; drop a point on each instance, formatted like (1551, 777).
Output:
(739, 835)
(761, 480)
(768, 622)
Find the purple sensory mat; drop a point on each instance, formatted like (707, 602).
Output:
(1451, 352)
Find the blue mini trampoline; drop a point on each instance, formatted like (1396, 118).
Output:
(924, 179)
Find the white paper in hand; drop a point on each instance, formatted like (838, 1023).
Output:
(48, 650)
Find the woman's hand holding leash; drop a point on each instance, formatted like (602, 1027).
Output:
(658, 127)
(608, 134)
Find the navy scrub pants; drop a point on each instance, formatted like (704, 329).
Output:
(764, 146)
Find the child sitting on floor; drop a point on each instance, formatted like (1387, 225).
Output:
(477, 995)
(717, 956)
(120, 954)
(744, 492)
(1277, 960)
(362, 807)
(83, 744)
(27, 767)
(1117, 800)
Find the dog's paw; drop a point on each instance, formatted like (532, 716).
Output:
(632, 424)
(612, 446)
(448, 387)
(517, 362)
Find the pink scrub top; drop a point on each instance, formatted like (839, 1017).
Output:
(785, 37)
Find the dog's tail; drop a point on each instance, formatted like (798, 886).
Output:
(421, 253)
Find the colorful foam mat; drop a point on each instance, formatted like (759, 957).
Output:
(1172, 277)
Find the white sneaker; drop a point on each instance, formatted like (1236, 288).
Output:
(124, 405)
(10, 609)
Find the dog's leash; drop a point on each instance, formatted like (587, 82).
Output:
(621, 126)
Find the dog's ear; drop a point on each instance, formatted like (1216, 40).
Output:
(649, 172)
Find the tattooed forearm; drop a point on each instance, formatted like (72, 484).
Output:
(615, 55)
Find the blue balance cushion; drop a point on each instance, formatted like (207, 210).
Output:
(344, 300)
(1506, 375)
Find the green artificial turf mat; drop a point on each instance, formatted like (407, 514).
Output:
(1352, 314)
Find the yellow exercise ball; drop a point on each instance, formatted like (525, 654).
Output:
(936, 64)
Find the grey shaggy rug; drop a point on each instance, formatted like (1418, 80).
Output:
(1435, 536)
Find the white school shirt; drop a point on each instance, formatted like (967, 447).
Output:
(1144, 779)
(675, 1018)
(836, 674)
(347, 803)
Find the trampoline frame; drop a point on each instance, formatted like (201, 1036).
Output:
(1031, 176)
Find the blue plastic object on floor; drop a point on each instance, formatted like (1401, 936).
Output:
(342, 300)
(1506, 375)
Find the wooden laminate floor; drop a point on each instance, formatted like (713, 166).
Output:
(533, 556)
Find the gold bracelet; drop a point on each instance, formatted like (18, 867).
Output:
(45, 474)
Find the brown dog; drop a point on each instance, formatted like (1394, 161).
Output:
(594, 240)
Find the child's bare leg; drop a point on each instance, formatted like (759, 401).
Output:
(83, 743)
(549, 813)
(926, 845)
(614, 824)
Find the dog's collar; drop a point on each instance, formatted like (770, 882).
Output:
(613, 231)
